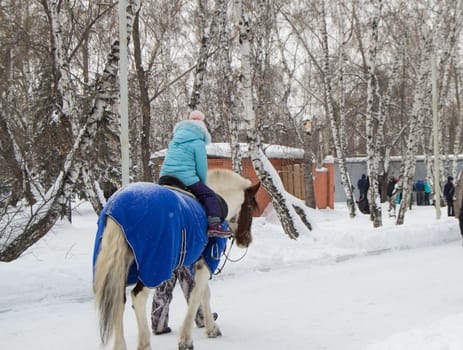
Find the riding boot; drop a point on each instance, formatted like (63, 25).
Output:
(216, 229)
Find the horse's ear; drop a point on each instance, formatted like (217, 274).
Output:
(252, 190)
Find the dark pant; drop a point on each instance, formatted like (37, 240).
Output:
(207, 197)
(450, 211)
(419, 197)
(426, 198)
(163, 296)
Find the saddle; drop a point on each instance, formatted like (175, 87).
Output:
(175, 183)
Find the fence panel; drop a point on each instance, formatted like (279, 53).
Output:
(292, 176)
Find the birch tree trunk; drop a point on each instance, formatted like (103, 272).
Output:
(11, 151)
(292, 224)
(459, 128)
(451, 14)
(66, 88)
(457, 144)
(384, 106)
(145, 137)
(373, 139)
(416, 120)
(449, 52)
(327, 80)
(308, 175)
(226, 63)
(202, 58)
(201, 65)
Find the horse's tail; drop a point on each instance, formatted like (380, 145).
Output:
(113, 262)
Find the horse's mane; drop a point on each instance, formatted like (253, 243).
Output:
(226, 180)
(230, 186)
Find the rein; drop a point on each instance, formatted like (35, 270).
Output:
(227, 258)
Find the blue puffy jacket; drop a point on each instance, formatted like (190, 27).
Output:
(186, 156)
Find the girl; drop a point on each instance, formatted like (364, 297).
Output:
(186, 159)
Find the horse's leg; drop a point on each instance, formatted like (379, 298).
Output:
(186, 281)
(119, 340)
(185, 342)
(212, 330)
(111, 269)
(139, 296)
(201, 277)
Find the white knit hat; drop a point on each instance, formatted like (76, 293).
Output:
(198, 117)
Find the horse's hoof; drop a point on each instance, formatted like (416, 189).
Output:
(214, 333)
(144, 347)
(187, 345)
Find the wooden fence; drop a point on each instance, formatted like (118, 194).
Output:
(292, 176)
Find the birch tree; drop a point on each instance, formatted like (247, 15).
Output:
(422, 91)
(416, 119)
(142, 79)
(327, 80)
(22, 228)
(374, 121)
(312, 141)
(291, 222)
(225, 62)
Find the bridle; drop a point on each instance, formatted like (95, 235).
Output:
(250, 205)
(227, 257)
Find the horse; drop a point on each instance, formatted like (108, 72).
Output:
(145, 231)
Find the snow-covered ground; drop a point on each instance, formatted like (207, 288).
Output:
(346, 286)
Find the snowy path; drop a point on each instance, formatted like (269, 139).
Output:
(347, 305)
(341, 306)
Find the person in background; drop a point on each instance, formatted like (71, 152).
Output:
(186, 159)
(449, 194)
(427, 193)
(362, 186)
(419, 187)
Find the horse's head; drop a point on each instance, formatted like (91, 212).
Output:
(240, 196)
(242, 231)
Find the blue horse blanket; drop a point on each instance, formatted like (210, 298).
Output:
(164, 228)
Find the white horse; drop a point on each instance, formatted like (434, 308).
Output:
(157, 215)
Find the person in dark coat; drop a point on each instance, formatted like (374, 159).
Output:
(449, 194)
(363, 205)
(390, 186)
(362, 186)
(419, 188)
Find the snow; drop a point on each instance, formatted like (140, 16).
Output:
(223, 150)
(344, 286)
